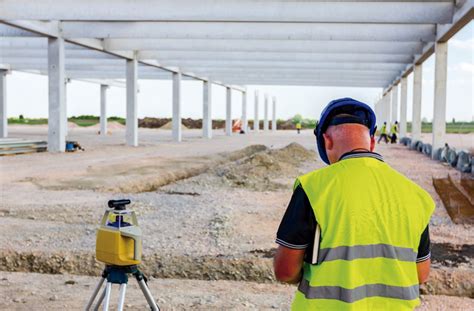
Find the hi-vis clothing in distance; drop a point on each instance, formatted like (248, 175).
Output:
(394, 129)
(371, 220)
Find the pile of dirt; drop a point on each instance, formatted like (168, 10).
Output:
(169, 126)
(189, 123)
(264, 170)
(153, 122)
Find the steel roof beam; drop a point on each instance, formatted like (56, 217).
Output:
(251, 30)
(243, 45)
(291, 64)
(231, 10)
(274, 56)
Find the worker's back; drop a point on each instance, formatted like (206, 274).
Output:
(371, 220)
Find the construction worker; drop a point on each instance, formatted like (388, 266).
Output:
(383, 133)
(393, 133)
(298, 127)
(350, 238)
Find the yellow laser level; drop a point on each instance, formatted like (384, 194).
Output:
(119, 246)
(119, 238)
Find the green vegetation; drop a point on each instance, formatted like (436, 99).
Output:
(451, 127)
(305, 123)
(84, 120)
(89, 120)
(22, 120)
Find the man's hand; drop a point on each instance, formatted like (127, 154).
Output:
(423, 269)
(287, 264)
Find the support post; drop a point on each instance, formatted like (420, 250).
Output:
(439, 109)
(131, 134)
(3, 104)
(177, 135)
(274, 120)
(244, 112)
(256, 121)
(66, 130)
(388, 105)
(378, 116)
(56, 98)
(403, 107)
(207, 110)
(265, 114)
(416, 118)
(228, 112)
(394, 101)
(103, 109)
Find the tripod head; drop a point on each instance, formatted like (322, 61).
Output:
(118, 205)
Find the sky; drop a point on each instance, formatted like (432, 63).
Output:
(27, 94)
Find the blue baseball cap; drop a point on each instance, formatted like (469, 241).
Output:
(342, 111)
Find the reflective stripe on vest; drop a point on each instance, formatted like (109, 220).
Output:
(370, 232)
(366, 251)
(358, 293)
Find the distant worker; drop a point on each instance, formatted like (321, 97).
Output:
(298, 127)
(383, 133)
(349, 237)
(393, 133)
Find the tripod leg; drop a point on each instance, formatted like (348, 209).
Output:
(108, 289)
(147, 294)
(94, 294)
(123, 288)
(99, 302)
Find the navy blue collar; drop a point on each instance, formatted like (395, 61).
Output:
(360, 154)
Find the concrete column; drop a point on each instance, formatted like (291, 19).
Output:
(207, 110)
(394, 101)
(244, 112)
(177, 135)
(416, 118)
(274, 120)
(403, 107)
(228, 112)
(378, 115)
(56, 98)
(3, 104)
(66, 81)
(265, 114)
(103, 109)
(439, 109)
(388, 105)
(131, 133)
(256, 121)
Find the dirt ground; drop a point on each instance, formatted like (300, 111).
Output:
(209, 210)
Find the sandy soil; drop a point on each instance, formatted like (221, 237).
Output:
(26, 291)
(207, 226)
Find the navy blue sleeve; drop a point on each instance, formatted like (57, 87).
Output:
(298, 225)
(424, 249)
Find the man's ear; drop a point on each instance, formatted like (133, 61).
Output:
(328, 142)
(372, 143)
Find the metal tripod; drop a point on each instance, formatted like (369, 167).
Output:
(119, 275)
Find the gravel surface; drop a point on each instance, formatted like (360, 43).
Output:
(206, 226)
(27, 291)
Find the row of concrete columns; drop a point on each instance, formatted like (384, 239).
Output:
(256, 124)
(57, 115)
(387, 107)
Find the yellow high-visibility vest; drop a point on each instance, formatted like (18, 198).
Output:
(394, 129)
(298, 126)
(371, 220)
(383, 130)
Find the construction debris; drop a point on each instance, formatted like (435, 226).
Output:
(457, 203)
(11, 146)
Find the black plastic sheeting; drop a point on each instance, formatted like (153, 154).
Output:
(462, 160)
